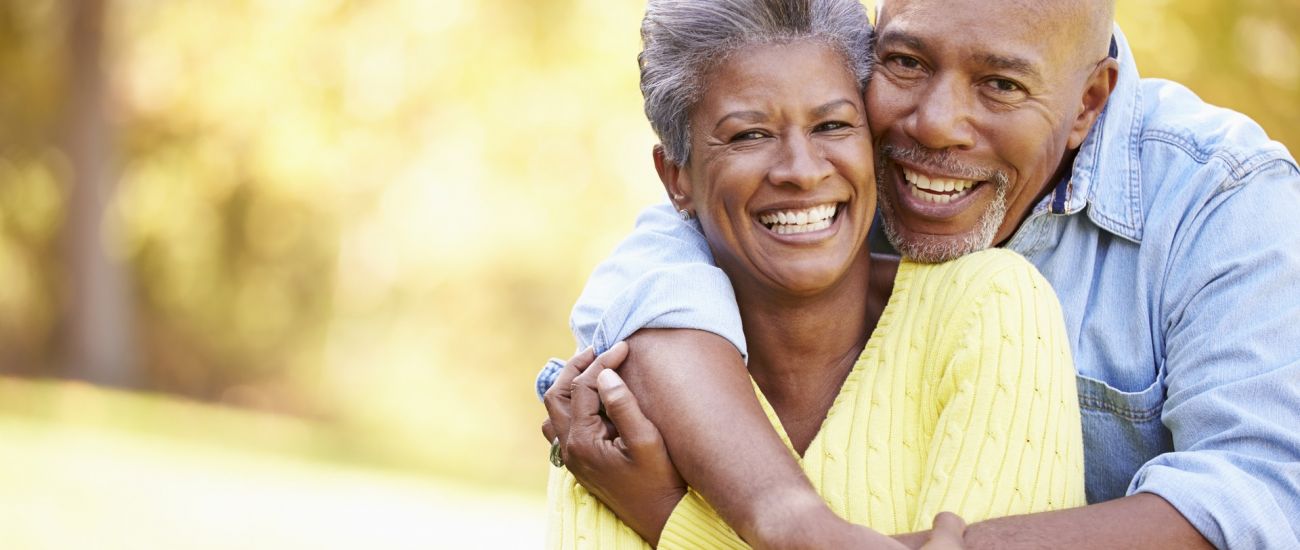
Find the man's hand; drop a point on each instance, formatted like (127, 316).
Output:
(947, 534)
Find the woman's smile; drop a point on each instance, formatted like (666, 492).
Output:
(781, 171)
(801, 225)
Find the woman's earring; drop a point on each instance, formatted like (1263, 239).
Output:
(685, 214)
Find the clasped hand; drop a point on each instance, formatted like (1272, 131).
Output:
(606, 442)
(619, 456)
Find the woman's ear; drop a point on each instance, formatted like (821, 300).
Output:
(675, 180)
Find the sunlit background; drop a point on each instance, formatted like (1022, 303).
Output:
(279, 273)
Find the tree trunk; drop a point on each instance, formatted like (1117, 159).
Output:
(98, 338)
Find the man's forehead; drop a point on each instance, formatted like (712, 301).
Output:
(1021, 35)
(1037, 8)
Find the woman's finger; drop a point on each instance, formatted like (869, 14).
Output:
(548, 430)
(611, 359)
(572, 368)
(587, 430)
(557, 398)
(640, 437)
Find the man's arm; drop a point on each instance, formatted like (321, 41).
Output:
(1141, 521)
(695, 389)
(1232, 378)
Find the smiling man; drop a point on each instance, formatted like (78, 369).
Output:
(1167, 227)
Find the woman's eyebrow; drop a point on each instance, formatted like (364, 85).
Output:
(829, 107)
(745, 116)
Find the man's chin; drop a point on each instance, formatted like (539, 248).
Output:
(933, 249)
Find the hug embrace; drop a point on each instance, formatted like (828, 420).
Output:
(1091, 339)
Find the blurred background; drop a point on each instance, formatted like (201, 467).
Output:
(279, 273)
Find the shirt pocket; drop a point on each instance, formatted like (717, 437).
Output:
(1121, 432)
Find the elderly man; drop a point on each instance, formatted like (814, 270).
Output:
(1166, 226)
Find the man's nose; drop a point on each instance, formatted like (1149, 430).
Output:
(942, 118)
(802, 163)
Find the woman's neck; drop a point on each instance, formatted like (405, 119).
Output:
(802, 347)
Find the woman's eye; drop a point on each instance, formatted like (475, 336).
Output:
(748, 135)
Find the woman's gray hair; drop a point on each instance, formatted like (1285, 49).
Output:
(685, 38)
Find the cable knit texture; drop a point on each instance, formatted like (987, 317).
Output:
(963, 400)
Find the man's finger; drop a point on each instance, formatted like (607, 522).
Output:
(638, 434)
(948, 532)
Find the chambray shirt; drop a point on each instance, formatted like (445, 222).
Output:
(1174, 247)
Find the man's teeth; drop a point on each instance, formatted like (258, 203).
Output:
(936, 190)
(807, 220)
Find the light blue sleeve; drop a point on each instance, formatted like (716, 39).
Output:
(661, 276)
(1233, 368)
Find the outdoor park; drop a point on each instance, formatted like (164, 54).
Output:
(280, 273)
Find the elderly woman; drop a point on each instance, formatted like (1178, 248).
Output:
(954, 392)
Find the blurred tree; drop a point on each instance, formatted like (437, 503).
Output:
(97, 319)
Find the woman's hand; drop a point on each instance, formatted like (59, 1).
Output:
(617, 454)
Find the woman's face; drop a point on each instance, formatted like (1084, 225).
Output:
(781, 172)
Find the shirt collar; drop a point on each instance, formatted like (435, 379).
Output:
(1106, 176)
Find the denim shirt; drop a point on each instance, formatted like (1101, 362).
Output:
(1174, 247)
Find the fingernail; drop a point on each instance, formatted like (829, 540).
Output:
(608, 379)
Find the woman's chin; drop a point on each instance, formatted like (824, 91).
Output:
(806, 279)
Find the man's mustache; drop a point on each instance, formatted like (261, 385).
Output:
(942, 161)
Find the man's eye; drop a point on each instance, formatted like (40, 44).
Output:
(748, 135)
(1004, 85)
(905, 62)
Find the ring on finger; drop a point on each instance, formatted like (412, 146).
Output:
(556, 459)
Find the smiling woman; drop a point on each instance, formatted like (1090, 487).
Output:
(780, 169)
(899, 397)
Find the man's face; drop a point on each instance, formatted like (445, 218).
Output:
(972, 106)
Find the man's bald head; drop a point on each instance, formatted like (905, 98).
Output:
(1095, 20)
(1084, 25)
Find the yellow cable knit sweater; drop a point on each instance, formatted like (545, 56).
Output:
(963, 400)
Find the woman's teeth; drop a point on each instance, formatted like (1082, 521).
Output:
(787, 222)
(936, 190)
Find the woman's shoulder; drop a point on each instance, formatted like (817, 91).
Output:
(993, 271)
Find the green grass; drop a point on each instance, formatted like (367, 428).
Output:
(82, 467)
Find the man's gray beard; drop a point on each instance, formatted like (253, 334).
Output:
(935, 249)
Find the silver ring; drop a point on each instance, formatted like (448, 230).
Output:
(556, 459)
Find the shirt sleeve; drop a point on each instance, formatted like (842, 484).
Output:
(661, 276)
(577, 519)
(1008, 437)
(694, 524)
(1232, 367)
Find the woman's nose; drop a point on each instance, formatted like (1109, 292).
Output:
(802, 164)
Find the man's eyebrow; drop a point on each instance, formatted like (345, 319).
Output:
(830, 106)
(746, 116)
(902, 37)
(1019, 65)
